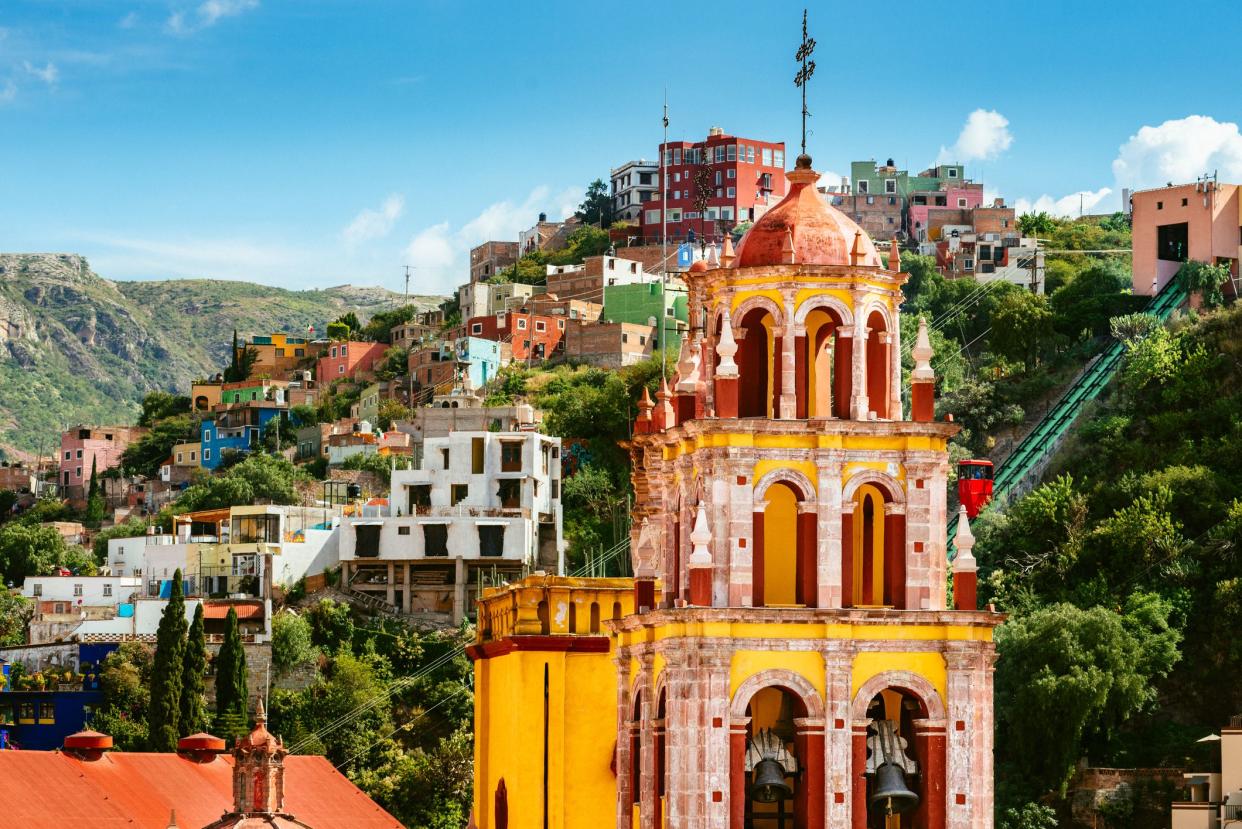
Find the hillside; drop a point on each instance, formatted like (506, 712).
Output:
(75, 347)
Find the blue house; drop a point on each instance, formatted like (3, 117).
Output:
(482, 358)
(41, 719)
(238, 427)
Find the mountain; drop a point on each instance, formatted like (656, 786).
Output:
(78, 348)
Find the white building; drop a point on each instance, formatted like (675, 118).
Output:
(80, 591)
(481, 503)
(480, 299)
(634, 184)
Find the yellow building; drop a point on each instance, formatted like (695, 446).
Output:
(784, 657)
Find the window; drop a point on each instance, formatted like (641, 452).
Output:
(668, 157)
(1172, 242)
(477, 447)
(720, 153)
(952, 172)
(491, 540)
(767, 157)
(892, 199)
(444, 454)
(890, 185)
(344, 350)
(625, 338)
(78, 472)
(731, 152)
(677, 177)
(38, 589)
(642, 339)
(280, 352)
(79, 455)
(861, 185)
(510, 493)
(476, 328)
(1160, 205)
(560, 324)
(511, 456)
(340, 369)
(717, 176)
(677, 156)
(731, 192)
(968, 264)
(459, 493)
(870, 199)
(556, 490)
(778, 158)
(1184, 202)
(206, 454)
(653, 217)
(961, 202)
(77, 590)
(68, 456)
(333, 351)
(435, 539)
(540, 326)
(403, 530)
(750, 154)
(299, 352)
(418, 496)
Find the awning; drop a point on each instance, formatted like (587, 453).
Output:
(220, 610)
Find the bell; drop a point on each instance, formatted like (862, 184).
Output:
(769, 785)
(891, 793)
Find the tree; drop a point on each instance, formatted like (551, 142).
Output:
(125, 688)
(1021, 327)
(15, 614)
(379, 327)
(338, 331)
(161, 405)
(1096, 295)
(96, 509)
(1036, 224)
(242, 363)
(1087, 671)
(166, 672)
(29, 551)
(1132, 327)
(1028, 816)
(279, 435)
(1205, 280)
(332, 626)
(145, 455)
(192, 716)
(596, 207)
(350, 321)
(291, 641)
(231, 683)
(257, 478)
(392, 411)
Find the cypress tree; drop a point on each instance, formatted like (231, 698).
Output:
(166, 671)
(231, 692)
(193, 667)
(94, 489)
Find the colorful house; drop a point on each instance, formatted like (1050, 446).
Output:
(238, 428)
(277, 354)
(44, 705)
(651, 303)
(785, 654)
(84, 447)
(348, 359)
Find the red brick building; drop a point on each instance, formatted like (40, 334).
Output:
(346, 359)
(532, 336)
(746, 177)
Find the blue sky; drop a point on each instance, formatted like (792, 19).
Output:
(308, 143)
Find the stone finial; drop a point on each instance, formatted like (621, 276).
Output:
(856, 251)
(726, 347)
(894, 256)
(645, 405)
(964, 542)
(922, 354)
(684, 366)
(690, 373)
(726, 252)
(713, 257)
(700, 537)
(665, 417)
(172, 820)
(787, 249)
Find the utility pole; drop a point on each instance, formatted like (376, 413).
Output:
(408, 268)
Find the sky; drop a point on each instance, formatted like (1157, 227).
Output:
(308, 143)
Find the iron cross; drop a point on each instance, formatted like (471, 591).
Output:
(804, 73)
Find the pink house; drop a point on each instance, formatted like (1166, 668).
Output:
(954, 198)
(346, 359)
(1185, 222)
(82, 446)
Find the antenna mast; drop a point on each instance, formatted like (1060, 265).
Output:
(664, 246)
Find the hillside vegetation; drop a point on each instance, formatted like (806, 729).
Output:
(78, 348)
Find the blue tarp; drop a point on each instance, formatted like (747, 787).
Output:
(125, 611)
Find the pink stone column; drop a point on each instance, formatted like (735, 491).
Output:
(737, 773)
(625, 783)
(838, 733)
(828, 533)
(788, 368)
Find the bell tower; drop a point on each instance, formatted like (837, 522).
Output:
(793, 660)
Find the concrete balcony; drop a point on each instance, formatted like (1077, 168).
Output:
(1197, 815)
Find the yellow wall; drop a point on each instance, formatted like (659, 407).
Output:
(808, 664)
(509, 729)
(780, 546)
(930, 666)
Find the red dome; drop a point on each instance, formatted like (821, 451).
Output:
(699, 267)
(821, 234)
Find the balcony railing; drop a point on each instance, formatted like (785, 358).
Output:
(1231, 812)
(466, 511)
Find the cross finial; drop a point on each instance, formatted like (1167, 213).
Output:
(802, 56)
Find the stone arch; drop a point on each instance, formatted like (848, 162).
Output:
(797, 480)
(795, 683)
(874, 306)
(766, 303)
(883, 480)
(826, 302)
(908, 681)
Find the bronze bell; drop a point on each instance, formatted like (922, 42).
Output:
(769, 785)
(891, 793)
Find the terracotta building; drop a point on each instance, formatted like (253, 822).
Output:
(531, 336)
(1199, 222)
(348, 359)
(785, 654)
(202, 786)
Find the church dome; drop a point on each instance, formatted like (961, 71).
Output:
(821, 234)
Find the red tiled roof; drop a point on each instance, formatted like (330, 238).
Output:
(138, 791)
(220, 610)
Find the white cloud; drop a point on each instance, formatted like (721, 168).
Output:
(206, 15)
(984, 136)
(375, 224)
(129, 21)
(1069, 205)
(48, 74)
(8, 93)
(1179, 151)
(441, 254)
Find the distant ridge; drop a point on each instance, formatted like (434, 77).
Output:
(76, 347)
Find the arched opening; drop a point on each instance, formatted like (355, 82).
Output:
(544, 621)
(758, 368)
(776, 791)
(873, 544)
(573, 617)
(616, 610)
(200, 403)
(594, 617)
(817, 366)
(899, 763)
(661, 759)
(636, 751)
(780, 546)
(879, 365)
(501, 806)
